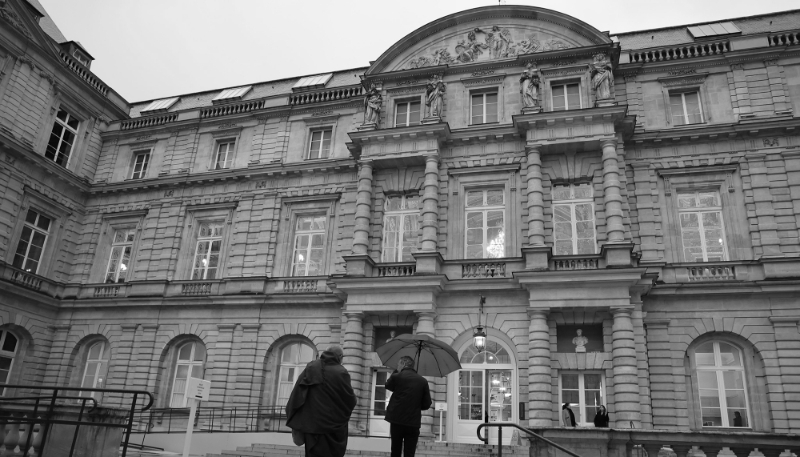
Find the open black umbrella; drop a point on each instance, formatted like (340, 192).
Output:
(431, 356)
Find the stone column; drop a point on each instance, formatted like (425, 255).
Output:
(363, 209)
(425, 326)
(540, 395)
(430, 204)
(354, 363)
(626, 382)
(219, 373)
(535, 198)
(615, 232)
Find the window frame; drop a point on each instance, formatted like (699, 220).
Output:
(485, 209)
(297, 367)
(136, 153)
(175, 363)
(4, 332)
(565, 83)
(683, 84)
(310, 143)
(310, 233)
(294, 207)
(588, 421)
(65, 127)
(122, 244)
(699, 211)
(483, 92)
(33, 228)
(409, 102)
(196, 215)
(401, 214)
(718, 369)
(682, 94)
(100, 371)
(230, 153)
(572, 202)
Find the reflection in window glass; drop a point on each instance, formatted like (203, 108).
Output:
(189, 362)
(309, 246)
(294, 359)
(573, 219)
(721, 385)
(485, 224)
(702, 230)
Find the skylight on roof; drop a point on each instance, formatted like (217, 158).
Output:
(161, 105)
(232, 94)
(719, 28)
(310, 82)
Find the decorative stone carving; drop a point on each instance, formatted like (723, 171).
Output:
(373, 102)
(482, 45)
(434, 99)
(602, 80)
(529, 87)
(580, 341)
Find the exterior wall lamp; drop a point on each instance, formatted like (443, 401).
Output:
(479, 336)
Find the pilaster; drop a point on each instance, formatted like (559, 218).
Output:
(56, 369)
(220, 371)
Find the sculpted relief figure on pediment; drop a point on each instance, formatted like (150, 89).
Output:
(482, 45)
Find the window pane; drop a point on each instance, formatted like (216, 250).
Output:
(475, 198)
(687, 201)
(573, 96)
(704, 355)
(494, 197)
(475, 220)
(729, 355)
(693, 107)
(10, 343)
(676, 104)
(733, 380)
(709, 199)
(559, 99)
(707, 379)
(569, 381)
(712, 417)
(591, 381)
(185, 352)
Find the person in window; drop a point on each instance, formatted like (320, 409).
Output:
(601, 418)
(410, 396)
(567, 416)
(320, 405)
(737, 419)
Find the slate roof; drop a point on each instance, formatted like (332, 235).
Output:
(47, 24)
(771, 22)
(260, 90)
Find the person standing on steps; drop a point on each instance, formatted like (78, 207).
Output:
(320, 405)
(410, 396)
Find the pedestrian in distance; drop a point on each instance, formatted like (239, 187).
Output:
(410, 396)
(320, 405)
(567, 416)
(601, 418)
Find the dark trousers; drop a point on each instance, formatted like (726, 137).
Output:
(403, 435)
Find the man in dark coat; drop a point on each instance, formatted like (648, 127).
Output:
(320, 405)
(410, 396)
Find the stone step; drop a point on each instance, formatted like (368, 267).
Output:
(424, 449)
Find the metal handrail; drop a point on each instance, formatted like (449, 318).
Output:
(500, 426)
(47, 419)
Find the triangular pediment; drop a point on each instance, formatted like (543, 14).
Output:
(485, 34)
(23, 17)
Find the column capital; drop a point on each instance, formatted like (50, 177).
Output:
(365, 162)
(621, 311)
(539, 312)
(432, 158)
(533, 148)
(426, 314)
(608, 142)
(353, 315)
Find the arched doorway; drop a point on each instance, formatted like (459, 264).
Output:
(485, 389)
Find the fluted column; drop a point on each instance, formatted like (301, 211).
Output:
(363, 209)
(354, 363)
(626, 382)
(540, 396)
(535, 198)
(425, 326)
(430, 204)
(615, 232)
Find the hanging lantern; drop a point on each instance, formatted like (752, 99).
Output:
(479, 339)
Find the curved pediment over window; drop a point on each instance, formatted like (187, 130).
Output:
(485, 34)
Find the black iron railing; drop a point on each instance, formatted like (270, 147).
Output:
(500, 426)
(26, 420)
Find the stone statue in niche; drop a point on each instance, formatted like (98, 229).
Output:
(580, 341)
(529, 87)
(602, 80)
(372, 107)
(434, 99)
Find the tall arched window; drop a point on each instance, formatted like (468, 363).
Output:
(8, 350)
(722, 385)
(94, 372)
(294, 358)
(190, 360)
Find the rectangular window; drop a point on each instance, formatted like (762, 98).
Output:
(702, 231)
(206, 256)
(486, 236)
(309, 246)
(141, 159)
(32, 241)
(686, 108)
(65, 130)
(584, 393)
(484, 107)
(407, 113)
(566, 96)
(224, 156)
(400, 228)
(119, 261)
(573, 220)
(320, 146)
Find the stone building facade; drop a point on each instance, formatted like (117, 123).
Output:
(628, 205)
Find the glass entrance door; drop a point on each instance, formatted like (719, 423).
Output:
(380, 400)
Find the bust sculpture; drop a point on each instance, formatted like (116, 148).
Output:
(580, 342)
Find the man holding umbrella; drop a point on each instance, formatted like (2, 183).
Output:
(410, 396)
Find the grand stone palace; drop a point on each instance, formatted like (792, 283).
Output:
(627, 204)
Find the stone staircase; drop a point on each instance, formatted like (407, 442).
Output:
(424, 449)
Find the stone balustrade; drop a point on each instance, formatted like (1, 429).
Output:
(31, 281)
(150, 121)
(299, 285)
(395, 269)
(784, 38)
(336, 93)
(233, 108)
(703, 273)
(663, 443)
(483, 270)
(84, 74)
(682, 51)
(19, 430)
(569, 263)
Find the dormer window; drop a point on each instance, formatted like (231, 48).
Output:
(160, 105)
(229, 95)
(710, 30)
(80, 57)
(312, 82)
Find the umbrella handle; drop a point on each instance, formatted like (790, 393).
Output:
(419, 351)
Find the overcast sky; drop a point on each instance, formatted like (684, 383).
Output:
(148, 49)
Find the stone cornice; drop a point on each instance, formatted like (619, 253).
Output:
(753, 128)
